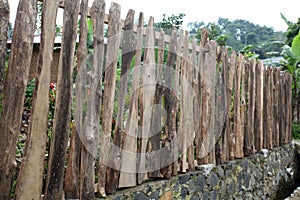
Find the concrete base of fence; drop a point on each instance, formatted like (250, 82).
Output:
(265, 175)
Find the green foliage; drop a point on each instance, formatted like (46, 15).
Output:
(296, 131)
(168, 22)
(240, 33)
(296, 46)
(292, 31)
(248, 53)
(291, 63)
(29, 94)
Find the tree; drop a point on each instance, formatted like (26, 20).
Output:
(292, 31)
(168, 22)
(240, 33)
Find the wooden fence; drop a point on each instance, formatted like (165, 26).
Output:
(173, 106)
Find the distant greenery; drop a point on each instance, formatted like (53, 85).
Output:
(239, 33)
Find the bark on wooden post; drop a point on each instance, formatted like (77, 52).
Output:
(271, 107)
(4, 22)
(239, 137)
(114, 34)
(62, 115)
(148, 77)
(128, 47)
(14, 90)
(211, 67)
(30, 179)
(258, 118)
(289, 119)
(169, 107)
(226, 127)
(190, 131)
(245, 98)
(201, 135)
(276, 118)
(249, 134)
(156, 129)
(73, 169)
(268, 110)
(231, 92)
(175, 108)
(282, 133)
(129, 164)
(184, 105)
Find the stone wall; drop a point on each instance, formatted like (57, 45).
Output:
(265, 175)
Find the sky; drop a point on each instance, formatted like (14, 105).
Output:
(262, 12)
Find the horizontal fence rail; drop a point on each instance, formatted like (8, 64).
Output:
(147, 105)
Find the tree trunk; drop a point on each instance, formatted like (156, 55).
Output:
(61, 126)
(14, 90)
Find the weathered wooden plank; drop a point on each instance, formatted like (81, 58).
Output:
(269, 109)
(184, 105)
(245, 99)
(33, 165)
(239, 137)
(289, 119)
(218, 115)
(226, 128)
(231, 91)
(14, 90)
(200, 151)
(129, 164)
(62, 115)
(282, 126)
(149, 81)
(166, 170)
(276, 90)
(271, 106)
(249, 134)
(175, 131)
(113, 172)
(72, 179)
(113, 43)
(156, 129)
(258, 119)
(211, 67)
(4, 21)
(197, 107)
(90, 132)
(190, 108)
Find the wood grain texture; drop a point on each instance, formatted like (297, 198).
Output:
(14, 90)
(62, 115)
(114, 34)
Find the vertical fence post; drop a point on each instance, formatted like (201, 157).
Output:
(258, 119)
(14, 91)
